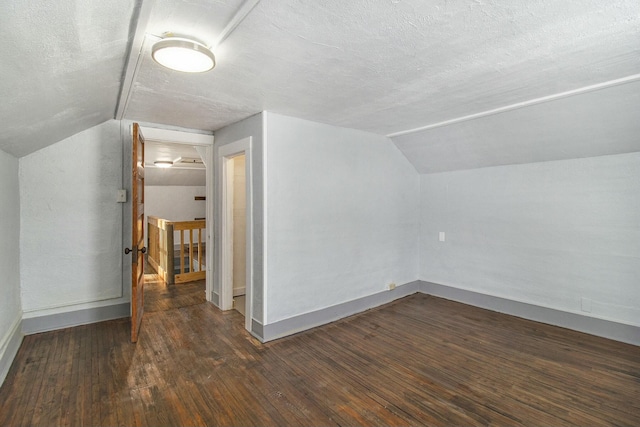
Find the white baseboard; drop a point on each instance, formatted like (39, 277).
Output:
(9, 347)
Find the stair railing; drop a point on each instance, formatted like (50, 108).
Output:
(180, 263)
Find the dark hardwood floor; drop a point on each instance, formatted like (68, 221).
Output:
(158, 296)
(418, 361)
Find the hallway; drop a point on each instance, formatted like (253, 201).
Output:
(158, 296)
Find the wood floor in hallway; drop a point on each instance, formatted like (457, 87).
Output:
(418, 361)
(159, 296)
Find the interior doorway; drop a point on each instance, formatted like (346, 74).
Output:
(239, 260)
(178, 195)
(233, 177)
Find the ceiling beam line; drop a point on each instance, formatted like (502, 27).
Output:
(135, 58)
(242, 12)
(535, 101)
(137, 48)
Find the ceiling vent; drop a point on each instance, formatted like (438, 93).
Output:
(188, 161)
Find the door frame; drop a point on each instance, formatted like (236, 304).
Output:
(224, 183)
(168, 136)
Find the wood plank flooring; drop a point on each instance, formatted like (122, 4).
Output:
(418, 361)
(159, 296)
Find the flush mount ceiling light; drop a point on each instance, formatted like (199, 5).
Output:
(182, 54)
(163, 163)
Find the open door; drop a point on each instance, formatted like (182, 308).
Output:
(137, 233)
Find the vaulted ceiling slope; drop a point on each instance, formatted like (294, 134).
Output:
(379, 66)
(598, 122)
(61, 64)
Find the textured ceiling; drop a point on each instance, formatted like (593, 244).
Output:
(61, 65)
(596, 123)
(389, 66)
(379, 66)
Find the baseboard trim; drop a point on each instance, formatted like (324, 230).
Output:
(9, 347)
(69, 319)
(603, 328)
(257, 330)
(323, 316)
(215, 299)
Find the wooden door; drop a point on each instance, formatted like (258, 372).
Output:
(137, 233)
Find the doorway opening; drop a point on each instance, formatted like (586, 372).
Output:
(177, 220)
(234, 278)
(239, 234)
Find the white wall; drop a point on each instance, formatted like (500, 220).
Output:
(175, 203)
(342, 216)
(10, 304)
(160, 177)
(547, 233)
(71, 227)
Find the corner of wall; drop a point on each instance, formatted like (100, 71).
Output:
(306, 321)
(257, 330)
(9, 346)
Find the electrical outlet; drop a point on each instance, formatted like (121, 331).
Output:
(586, 305)
(441, 236)
(392, 286)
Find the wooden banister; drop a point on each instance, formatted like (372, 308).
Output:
(160, 247)
(162, 251)
(191, 252)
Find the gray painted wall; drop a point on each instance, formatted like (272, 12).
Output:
(10, 304)
(548, 234)
(253, 127)
(342, 216)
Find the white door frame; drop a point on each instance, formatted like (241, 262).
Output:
(194, 139)
(224, 175)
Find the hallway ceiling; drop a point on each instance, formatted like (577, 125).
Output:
(187, 170)
(379, 66)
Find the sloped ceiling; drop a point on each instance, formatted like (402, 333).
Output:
(589, 124)
(61, 65)
(380, 66)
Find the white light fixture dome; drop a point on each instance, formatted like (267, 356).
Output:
(182, 54)
(163, 163)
